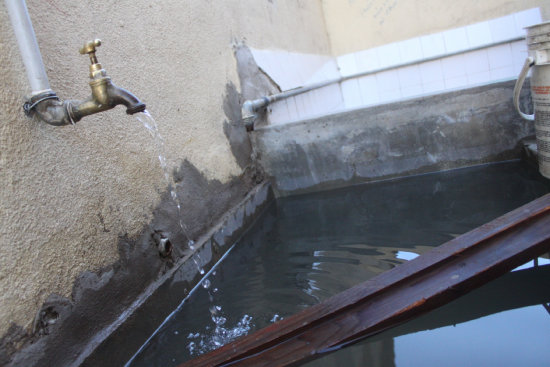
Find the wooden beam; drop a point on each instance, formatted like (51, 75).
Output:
(413, 288)
(513, 290)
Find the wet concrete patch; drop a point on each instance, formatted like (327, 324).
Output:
(121, 344)
(234, 128)
(66, 331)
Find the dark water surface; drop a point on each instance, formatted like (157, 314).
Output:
(307, 248)
(505, 323)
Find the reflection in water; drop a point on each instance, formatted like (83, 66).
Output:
(503, 323)
(308, 248)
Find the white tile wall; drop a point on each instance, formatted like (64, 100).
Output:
(431, 72)
(519, 54)
(329, 70)
(507, 72)
(409, 76)
(410, 81)
(387, 80)
(290, 70)
(347, 64)
(468, 68)
(479, 78)
(389, 95)
(503, 28)
(278, 113)
(351, 94)
(302, 103)
(292, 109)
(332, 99)
(500, 56)
(456, 82)
(526, 18)
(455, 40)
(476, 61)
(433, 87)
(410, 50)
(479, 34)
(432, 45)
(454, 66)
(389, 55)
(388, 86)
(369, 90)
(367, 60)
(412, 91)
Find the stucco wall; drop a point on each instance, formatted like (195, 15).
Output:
(67, 194)
(355, 25)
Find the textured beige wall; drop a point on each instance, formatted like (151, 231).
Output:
(355, 25)
(68, 193)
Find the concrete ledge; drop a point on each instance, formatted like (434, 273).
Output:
(433, 133)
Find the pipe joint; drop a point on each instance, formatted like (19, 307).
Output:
(249, 111)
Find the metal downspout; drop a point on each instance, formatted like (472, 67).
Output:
(26, 39)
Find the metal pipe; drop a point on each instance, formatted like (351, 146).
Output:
(26, 39)
(251, 107)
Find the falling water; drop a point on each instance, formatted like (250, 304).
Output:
(219, 333)
(151, 125)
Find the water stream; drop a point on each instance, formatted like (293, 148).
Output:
(151, 125)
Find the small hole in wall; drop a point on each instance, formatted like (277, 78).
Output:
(45, 317)
(163, 244)
(165, 247)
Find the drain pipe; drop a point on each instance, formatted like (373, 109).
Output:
(26, 39)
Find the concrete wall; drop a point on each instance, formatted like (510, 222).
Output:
(356, 25)
(426, 134)
(77, 202)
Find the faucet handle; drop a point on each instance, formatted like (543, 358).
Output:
(89, 47)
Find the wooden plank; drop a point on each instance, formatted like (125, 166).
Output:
(395, 296)
(529, 287)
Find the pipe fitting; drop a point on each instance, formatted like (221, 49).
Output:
(48, 107)
(163, 244)
(249, 111)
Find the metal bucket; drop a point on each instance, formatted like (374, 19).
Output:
(538, 61)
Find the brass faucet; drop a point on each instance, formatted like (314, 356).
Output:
(105, 95)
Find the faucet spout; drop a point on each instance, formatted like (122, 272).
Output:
(126, 98)
(105, 95)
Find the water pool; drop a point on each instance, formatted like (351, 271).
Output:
(307, 248)
(505, 323)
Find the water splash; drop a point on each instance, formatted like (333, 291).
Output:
(151, 125)
(275, 318)
(200, 343)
